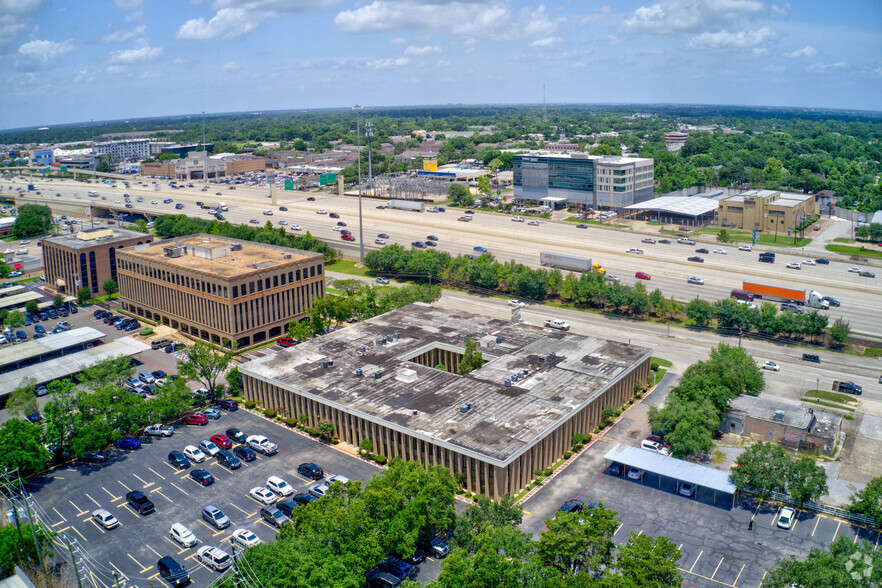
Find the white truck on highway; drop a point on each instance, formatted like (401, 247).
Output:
(407, 205)
(562, 261)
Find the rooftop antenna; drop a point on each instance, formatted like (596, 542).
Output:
(544, 111)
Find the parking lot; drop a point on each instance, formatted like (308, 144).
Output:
(716, 546)
(70, 493)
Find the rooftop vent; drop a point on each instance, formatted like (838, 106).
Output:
(508, 383)
(465, 407)
(552, 355)
(406, 375)
(381, 341)
(378, 374)
(779, 415)
(462, 337)
(397, 335)
(359, 372)
(235, 247)
(498, 340)
(173, 251)
(362, 349)
(286, 256)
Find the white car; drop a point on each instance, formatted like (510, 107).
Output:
(855, 269)
(771, 365)
(105, 519)
(245, 538)
(195, 454)
(651, 445)
(695, 280)
(785, 519)
(262, 495)
(338, 229)
(117, 201)
(516, 304)
(808, 262)
(336, 478)
(296, 228)
(634, 250)
(634, 473)
(183, 535)
(720, 251)
(380, 241)
(612, 278)
(214, 557)
(262, 444)
(533, 223)
(793, 265)
(557, 324)
(283, 222)
(321, 211)
(517, 219)
(687, 489)
(154, 202)
(279, 486)
(318, 489)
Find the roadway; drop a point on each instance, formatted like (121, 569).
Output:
(505, 239)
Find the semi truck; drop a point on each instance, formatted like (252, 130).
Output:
(407, 205)
(563, 261)
(812, 299)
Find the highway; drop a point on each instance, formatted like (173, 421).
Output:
(506, 240)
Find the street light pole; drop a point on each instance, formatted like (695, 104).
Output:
(369, 133)
(357, 110)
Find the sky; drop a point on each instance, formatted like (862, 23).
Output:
(65, 62)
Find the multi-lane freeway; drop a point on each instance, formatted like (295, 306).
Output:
(666, 263)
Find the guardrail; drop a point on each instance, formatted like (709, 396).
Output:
(818, 507)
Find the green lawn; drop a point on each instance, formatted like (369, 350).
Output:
(828, 395)
(344, 266)
(746, 237)
(850, 250)
(828, 404)
(661, 362)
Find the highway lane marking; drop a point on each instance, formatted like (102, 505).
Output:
(114, 498)
(155, 472)
(93, 500)
(735, 583)
(124, 486)
(79, 510)
(716, 569)
(179, 488)
(143, 568)
(153, 550)
(696, 561)
(146, 485)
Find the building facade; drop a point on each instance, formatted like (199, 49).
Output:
(768, 211)
(582, 179)
(87, 258)
(391, 379)
(794, 427)
(221, 290)
(42, 157)
(197, 165)
(123, 150)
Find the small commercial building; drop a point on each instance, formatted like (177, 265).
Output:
(6, 224)
(796, 428)
(219, 289)
(198, 166)
(767, 211)
(690, 211)
(86, 258)
(42, 157)
(393, 379)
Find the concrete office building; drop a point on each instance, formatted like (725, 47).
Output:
(219, 289)
(87, 258)
(197, 166)
(565, 179)
(768, 211)
(391, 379)
(123, 150)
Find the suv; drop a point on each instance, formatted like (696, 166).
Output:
(273, 516)
(311, 471)
(173, 572)
(140, 502)
(227, 459)
(215, 517)
(398, 568)
(159, 343)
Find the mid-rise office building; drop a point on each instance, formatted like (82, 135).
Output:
(219, 289)
(124, 149)
(564, 179)
(768, 211)
(87, 258)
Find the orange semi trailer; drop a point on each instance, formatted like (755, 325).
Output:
(775, 293)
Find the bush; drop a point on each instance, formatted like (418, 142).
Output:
(568, 455)
(381, 459)
(596, 430)
(587, 438)
(291, 422)
(548, 471)
(578, 447)
(145, 332)
(270, 413)
(250, 404)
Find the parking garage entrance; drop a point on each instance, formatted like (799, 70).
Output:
(689, 479)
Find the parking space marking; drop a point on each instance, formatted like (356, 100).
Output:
(696, 561)
(619, 528)
(79, 510)
(153, 550)
(143, 568)
(169, 466)
(158, 491)
(124, 486)
(155, 472)
(97, 526)
(735, 583)
(218, 533)
(836, 532)
(179, 488)
(177, 546)
(212, 529)
(93, 500)
(237, 508)
(74, 529)
(146, 485)
(119, 570)
(251, 515)
(109, 493)
(62, 521)
(95, 581)
(717, 569)
(190, 556)
(817, 520)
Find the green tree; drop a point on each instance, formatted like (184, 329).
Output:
(806, 480)
(109, 287)
(32, 307)
(723, 236)
(484, 512)
(234, 381)
(471, 360)
(460, 194)
(842, 564)
(840, 331)
(300, 331)
(762, 468)
(646, 561)
(484, 186)
(202, 363)
(700, 311)
(103, 164)
(110, 372)
(349, 286)
(62, 416)
(167, 156)
(32, 219)
(58, 301)
(14, 320)
(21, 446)
(579, 541)
(22, 401)
(501, 558)
(84, 294)
(17, 547)
(868, 501)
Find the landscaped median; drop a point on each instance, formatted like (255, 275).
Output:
(831, 399)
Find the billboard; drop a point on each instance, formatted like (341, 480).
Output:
(430, 163)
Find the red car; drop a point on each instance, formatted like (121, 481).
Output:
(659, 439)
(221, 441)
(642, 276)
(347, 238)
(195, 419)
(285, 342)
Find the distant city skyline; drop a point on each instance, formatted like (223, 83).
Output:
(65, 62)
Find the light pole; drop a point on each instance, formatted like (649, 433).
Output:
(369, 133)
(357, 110)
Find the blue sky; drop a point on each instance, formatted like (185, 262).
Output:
(65, 61)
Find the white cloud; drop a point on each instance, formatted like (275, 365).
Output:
(134, 15)
(757, 51)
(235, 18)
(823, 68)
(115, 69)
(547, 42)
(494, 20)
(231, 66)
(596, 15)
(780, 9)
(420, 51)
(397, 41)
(82, 76)
(388, 63)
(442, 63)
(145, 53)
(688, 16)
(724, 40)
(807, 51)
(128, 5)
(774, 68)
(14, 17)
(179, 61)
(121, 36)
(40, 55)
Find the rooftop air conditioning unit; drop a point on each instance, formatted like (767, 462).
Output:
(465, 407)
(286, 256)
(236, 247)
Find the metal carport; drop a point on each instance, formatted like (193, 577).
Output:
(673, 468)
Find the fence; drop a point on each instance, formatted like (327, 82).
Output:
(821, 508)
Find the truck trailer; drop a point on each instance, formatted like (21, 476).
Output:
(407, 205)
(812, 299)
(562, 261)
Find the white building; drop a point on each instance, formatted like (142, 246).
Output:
(123, 150)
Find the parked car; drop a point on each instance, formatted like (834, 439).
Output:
(228, 405)
(105, 519)
(212, 413)
(273, 516)
(785, 518)
(140, 502)
(228, 460)
(178, 460)
(203, 477)
(279, 486)
(244, 453)
(262, 495)
(128, 443)
(215, 517)
(236, 435)
(195, 419)
(245, 538)
(687, 489)
(182, 535)
(208, 447)
(194, 454)
(221, 441)
(94, 457)
(172, 572)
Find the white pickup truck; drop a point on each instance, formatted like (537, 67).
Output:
(557, 324)
(262, 444)
(160, 430)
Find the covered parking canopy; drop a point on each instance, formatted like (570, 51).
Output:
(684, 210)
(673, 468)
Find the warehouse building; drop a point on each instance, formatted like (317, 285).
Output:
(392, 379)
(219, 289)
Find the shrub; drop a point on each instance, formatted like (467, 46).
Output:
(250, 404)
(596, 430)
(587, 438)
(269, 413)
(145, 332)
(578, 447)
(568, 455)
(290, 422)
(537, 473)
(548, 471)
(540, 479)
(381, 459)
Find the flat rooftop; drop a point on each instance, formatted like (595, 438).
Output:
(49, 344)
(220, 256)
(96, 236)
(607, 159)
(564, 373)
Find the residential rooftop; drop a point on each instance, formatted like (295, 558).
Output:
(533, 380)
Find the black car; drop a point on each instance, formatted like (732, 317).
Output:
(244, 453)
(178, 460)
(204, 477)
(311, 471)
(702, 250)
(228, 405)
(334, 215)
(582, 226)
(811, 357)
(383, 236)
(572, 506)
(73, 308)
(237, 435)
(823, 261)
(311, 199)
(615, 469)
(396, 567)
(287, 506)
(380, 579)
(341, 224)
(830, 300)
(431, 244)
(172, 572)
(303, 499)
(695, 258)
(219, 217)
(228, 460)
(432, 238)
(35, 417)
(283, 208)
(140, 502)
(94, 457)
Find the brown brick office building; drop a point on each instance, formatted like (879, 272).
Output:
(219, 289)
(87, 258)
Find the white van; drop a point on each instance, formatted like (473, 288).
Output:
(93, 193)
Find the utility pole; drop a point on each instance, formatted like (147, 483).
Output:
(236, 563)
(73, 561)
(357, 110)
(34, 537)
